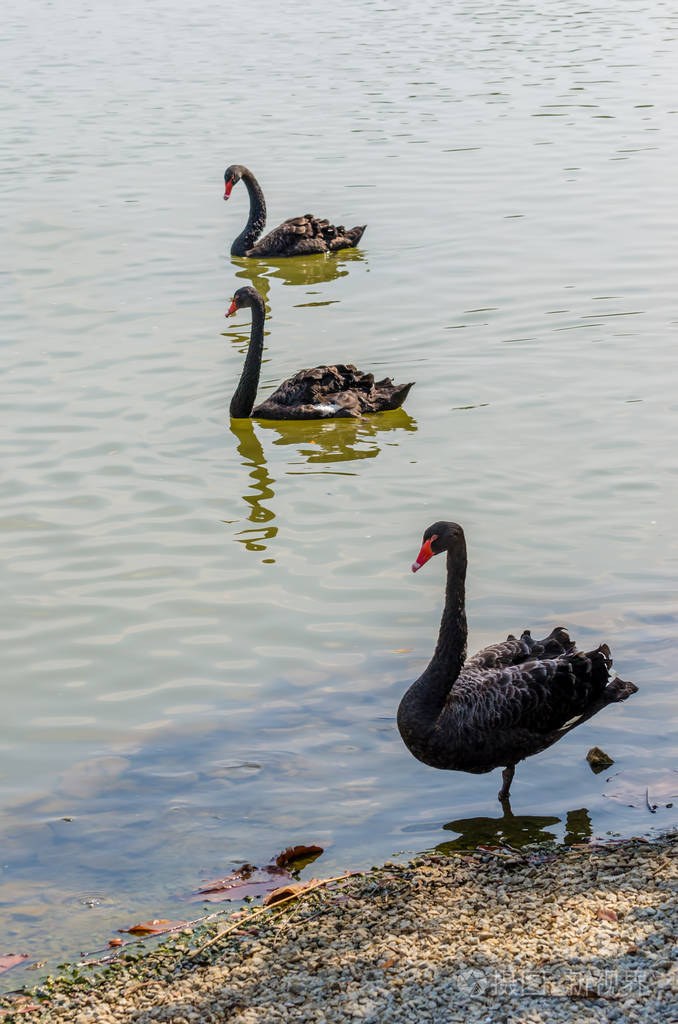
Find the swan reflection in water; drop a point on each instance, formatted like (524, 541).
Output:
(318, 442)
(515, 830)
(297, 270)
(261, 485)
(340, 440)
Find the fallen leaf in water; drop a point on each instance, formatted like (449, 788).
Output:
(11, 960)
(606, 914)
(403, 650)
(116, 942)
(247, 881)
(287, 891)
(154, 927)
(297, 853)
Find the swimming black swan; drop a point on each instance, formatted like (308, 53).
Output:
(325, 392)
(299, 236)
(507, 702)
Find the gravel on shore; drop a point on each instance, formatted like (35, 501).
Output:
(578, 934)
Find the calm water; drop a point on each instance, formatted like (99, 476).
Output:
(207, 626)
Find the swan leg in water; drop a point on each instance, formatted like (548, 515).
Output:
(507, 779)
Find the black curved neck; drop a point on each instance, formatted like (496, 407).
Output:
(242, 402)
(450, 652)
(257, 218)
(426, 697)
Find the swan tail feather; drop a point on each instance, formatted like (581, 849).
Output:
(619, 689)
(396, 395)
(355, 234)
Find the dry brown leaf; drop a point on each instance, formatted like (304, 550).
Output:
(154, 927)
(247, 881)
(287, 891)
(388, 963)
(11, 960)
(295, 853)
(607, 914)
(116, 942)
(403, 650)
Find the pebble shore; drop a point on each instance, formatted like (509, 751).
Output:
(579, 934)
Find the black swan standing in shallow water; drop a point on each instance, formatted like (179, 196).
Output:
(299, 236)
(326, 392)
(507, 702)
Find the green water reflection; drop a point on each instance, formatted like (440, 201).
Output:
(342, 440)
(261, 488)
(516, 830)
(299, 270)
(318, 442)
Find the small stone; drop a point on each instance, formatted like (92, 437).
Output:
(598, 760)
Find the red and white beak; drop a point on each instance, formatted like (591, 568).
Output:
(232, 309)
(424, 555)
(227, 189)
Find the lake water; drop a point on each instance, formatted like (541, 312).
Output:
(207, 626)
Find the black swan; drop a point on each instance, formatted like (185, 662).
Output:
(507, 702)
(325, 392)
(299, 236)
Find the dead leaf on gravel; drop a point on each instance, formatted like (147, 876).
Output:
(388, 963)
(607, 914)
(286, 891)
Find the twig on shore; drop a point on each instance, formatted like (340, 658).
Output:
(272, 906)
(112, 956)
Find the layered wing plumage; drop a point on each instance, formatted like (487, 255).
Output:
(327, 392)
(515, 698)
(303, 236)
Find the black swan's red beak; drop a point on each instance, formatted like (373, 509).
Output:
(424, 555)
(231, 309)
(227, 189)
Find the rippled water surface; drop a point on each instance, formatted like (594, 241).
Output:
(207, 626)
